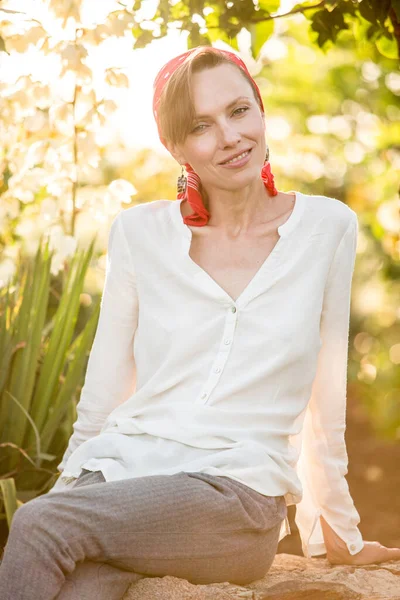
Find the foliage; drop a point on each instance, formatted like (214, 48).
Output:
(41, 368)
(206, 21)
(51, 119)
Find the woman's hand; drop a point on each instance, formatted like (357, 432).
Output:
(372, 553)
(337, 552)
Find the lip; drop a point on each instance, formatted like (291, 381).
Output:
(238, 164)
(235, 155)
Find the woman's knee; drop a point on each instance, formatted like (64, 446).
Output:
(27, 515)
(37, 517)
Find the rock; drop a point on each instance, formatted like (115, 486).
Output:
(290, 577)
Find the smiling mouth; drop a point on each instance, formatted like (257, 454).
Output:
(237, 158)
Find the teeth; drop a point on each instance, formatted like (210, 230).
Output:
(237, 157)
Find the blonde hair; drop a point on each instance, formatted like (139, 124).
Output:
(176, 113)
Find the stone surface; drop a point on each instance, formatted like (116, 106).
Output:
(291, 577)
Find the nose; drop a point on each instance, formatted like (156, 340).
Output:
(228, 134)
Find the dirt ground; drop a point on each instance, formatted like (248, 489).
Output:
(374, 482)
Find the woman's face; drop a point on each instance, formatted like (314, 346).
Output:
(228, 120)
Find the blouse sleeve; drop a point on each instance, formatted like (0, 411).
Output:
(323, 460)
(110, 376)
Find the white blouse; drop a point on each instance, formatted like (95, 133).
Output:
(183, 378)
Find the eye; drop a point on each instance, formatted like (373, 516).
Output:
(244, 108)
(241, 108)
(197, 128)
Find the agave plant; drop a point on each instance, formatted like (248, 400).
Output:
(42, 363)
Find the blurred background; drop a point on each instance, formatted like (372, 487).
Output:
(78, 144)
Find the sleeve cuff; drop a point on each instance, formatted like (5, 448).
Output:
(317, 549)
(355, 547)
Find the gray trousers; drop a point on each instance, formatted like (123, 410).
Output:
(98, 537)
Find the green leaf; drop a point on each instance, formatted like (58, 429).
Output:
(372, 31)
(270, 6)
(31, 421)
(220, 35)
(387, 47)
(260, 32)
(11, 12)
(196, 38)
(9, 496)
(3, 46)
(396, 8)
(28, 323)
(75, 373)
(382, 10)
(302, 5)
(143, 39)
(367, 10)
(46, 456)
(328, 25)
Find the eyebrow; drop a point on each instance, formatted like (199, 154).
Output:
(240, 98)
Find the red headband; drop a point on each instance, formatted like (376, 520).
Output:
(192, 193)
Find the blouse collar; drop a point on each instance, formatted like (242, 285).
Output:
(284, 230)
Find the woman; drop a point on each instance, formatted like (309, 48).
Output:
(202, 410)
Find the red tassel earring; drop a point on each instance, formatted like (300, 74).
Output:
(181, 184)
(188, 188)
(268, 177)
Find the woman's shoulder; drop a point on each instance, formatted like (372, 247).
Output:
(329, 212)
(146, 223)
(145, 210)
(145, 217)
